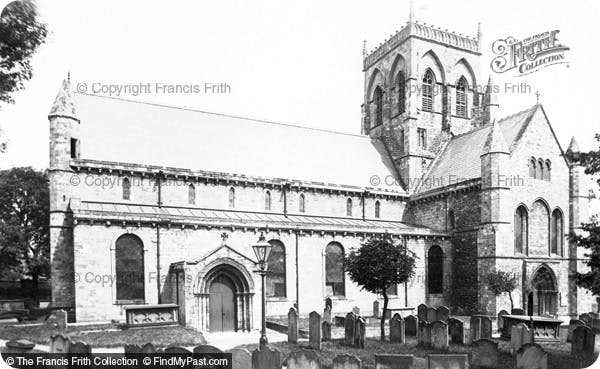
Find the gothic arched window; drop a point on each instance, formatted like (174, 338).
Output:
(532, 168)
(521, 230)
(276, 286)
(129, 268)
(556, 233)
(401, 86)
(461, 97)
(435, 271)
(334, 270)
(378, 99)
(547, 171)
(427, 90)
(231, 197)
(377, 209)
(191, 194)
(126, 189)
(539, 173)
(302, 203)
(268, 201)
(349, 207)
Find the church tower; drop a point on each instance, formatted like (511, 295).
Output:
(420, 89)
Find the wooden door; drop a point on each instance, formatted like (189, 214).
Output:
(222, 305)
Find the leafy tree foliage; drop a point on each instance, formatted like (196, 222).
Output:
(500, 282)
(24, 224)
(21, 33)
(379, 264)
(589, 239)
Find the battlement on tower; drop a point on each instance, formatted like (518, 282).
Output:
(423, 31)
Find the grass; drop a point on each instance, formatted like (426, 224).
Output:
(558, 354)
(158, 336)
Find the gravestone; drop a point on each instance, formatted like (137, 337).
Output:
(292, 326)
(346, 361)
(431, 314)
(573, 323)
(517, 312)
(349, 329)
(422, 312)
(501, 320)
(520, 334)
(177, 350)
(376, 309)
(328, 303)
(132, 349)
(79, 348)
(397, 329)
(266, 357)
(583, 345)
(326, 328)
(303, 359)
(532, 356)
(394, 361)
(361, 332)
(475, 328)
(448, 361)
(456, 330)
(327, 315)
(356, 311)
(439, 335)
(207, 349)
(314, 330)
(486, 327)
(586, 318)
(59, 344)
(485, 354)
(443, 314)
(57, 319)
(148, 349)
(410, 325)
(19, 346)
(424, 335)
(241, 358)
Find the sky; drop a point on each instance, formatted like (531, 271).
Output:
(297, 62)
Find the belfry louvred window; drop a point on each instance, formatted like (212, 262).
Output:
(461, 97)
(427, 90)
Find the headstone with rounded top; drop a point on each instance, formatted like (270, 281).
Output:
(443, 314)
(266, 357)
(397, 329)
(349, 329)
(532, 356)
(303, 359)
(361, 332)
(573, 323)
(422, 312)
(314, 330)
(439, 335)
(376, 309)
(241, 358)
(456, 330)
(346, 361)
(327, 315)
(485, 354)
(520, 334)
(292, 326)
(501, 319)
(424, 334)
(411, 323)
(431, 314)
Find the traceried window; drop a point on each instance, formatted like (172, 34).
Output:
(268, 201)
(377, 209)
(129, 268)
(334, 270)
(427, 90)
(521, 230)
(401, 86)
(435, 272)
(232, 197)
(276, 281)
(302, 203)
(461, 97)
(556, 235)
(349, 207)
(422, 135)
(191, 194)
(126, 183)
(378, 100)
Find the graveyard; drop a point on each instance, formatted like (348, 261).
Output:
(433, 338)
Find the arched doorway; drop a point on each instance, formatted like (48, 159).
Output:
(224, 297)
(222, 304)
(542, 298)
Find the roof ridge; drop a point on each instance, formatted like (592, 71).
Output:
(256, 120)
(517, 113)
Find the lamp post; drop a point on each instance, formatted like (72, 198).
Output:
(262, 249)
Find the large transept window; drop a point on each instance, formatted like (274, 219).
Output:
(129, 267)
(276, 270)
(334, 270)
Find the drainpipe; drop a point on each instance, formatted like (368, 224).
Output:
(297, 275)
(405, 243)
(284, 188)
(362, 200)
(159, 189)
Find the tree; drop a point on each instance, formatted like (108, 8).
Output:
(21, 33)
(589, 238)
(500, 282)
(379, 264)
(24, 225)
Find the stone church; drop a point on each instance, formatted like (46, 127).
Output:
(153, 204)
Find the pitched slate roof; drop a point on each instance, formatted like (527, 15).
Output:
(460, 159)
(127, 131)
(117, 212)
